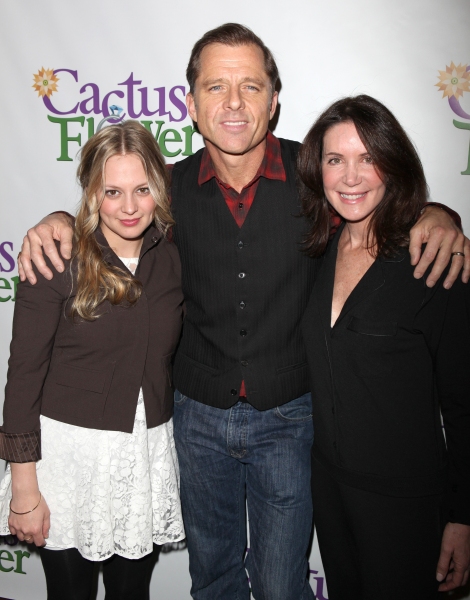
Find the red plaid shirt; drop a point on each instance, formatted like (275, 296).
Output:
(240, 203)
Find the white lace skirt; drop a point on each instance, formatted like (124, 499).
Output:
(109, 492)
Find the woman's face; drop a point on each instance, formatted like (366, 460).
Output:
(128, 207)
(351, 183)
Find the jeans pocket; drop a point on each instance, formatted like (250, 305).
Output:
(296, 410)
(180, 398)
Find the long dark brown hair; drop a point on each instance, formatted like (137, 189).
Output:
(395, 160)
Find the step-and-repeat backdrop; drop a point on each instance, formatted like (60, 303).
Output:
(67, 65)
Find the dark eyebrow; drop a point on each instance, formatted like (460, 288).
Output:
(255, 80)
(339, 154)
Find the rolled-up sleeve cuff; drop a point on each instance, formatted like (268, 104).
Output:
(20, 447)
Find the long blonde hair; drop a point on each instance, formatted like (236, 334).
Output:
(96, 280)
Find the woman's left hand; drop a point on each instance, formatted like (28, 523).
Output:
(32, 527)
(454, 561)
(437, 229)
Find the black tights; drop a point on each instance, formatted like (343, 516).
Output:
(69, 576)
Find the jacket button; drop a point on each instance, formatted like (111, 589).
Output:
(154, 239)
(243, 332)
(233, 392)
(242, 304)
(240, 244)
(242, 275)
(244, 363)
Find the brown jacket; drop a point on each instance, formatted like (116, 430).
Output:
(89, 373)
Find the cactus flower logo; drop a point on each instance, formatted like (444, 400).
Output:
(45, 82)
(453, 83)
(81, 102)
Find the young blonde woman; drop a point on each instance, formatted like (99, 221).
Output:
(93, 473)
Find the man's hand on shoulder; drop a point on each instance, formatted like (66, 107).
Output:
(443, 237)
(39, 240)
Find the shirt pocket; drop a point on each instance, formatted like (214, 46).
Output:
(372, 346)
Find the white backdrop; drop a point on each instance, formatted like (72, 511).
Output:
(393, 51)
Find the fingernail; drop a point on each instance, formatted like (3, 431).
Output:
(439, 576)
(60, 268)
(447, 285)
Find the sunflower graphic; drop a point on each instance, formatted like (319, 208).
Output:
(45, 82)
(454, 81)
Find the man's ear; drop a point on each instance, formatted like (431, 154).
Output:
(273, 105)
(191, 106)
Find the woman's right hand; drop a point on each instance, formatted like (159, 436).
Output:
(40, 239)
(33, 527)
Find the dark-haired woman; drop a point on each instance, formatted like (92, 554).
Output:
(387, 356)
(93, 473)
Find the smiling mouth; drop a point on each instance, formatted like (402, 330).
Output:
(352, 196)
(130, 222)
(234, 123)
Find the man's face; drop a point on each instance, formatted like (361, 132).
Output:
(232, 101)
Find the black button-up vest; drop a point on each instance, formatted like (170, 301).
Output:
(245, 288)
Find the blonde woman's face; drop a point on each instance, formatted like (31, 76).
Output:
(128, 207)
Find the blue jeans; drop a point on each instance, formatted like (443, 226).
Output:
(230, 459)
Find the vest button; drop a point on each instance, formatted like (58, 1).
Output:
(242, 304)
(242, 275)
(240, 244)
(233, 392)
(243, 332)
(244, 363)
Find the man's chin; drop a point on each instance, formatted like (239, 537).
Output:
(234, 149)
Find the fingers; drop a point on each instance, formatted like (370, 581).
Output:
(457, 260)
(438, 248)
(442, 247)
(466, 268)
(416, 241)
(31, 251)
(25, 268)
(46, 526)
(443, 562)
(42, 238)
(455, 578)
(66, 243)
(32, 527)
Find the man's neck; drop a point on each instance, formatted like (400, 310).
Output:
(237, 170)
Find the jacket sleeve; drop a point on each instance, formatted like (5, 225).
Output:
(447, 334)
(38, 310)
